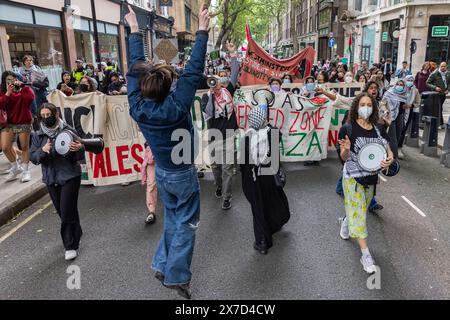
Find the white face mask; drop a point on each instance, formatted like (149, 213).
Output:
(348, 79)
(365, 112)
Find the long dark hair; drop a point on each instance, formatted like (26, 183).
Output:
(4, 75)
(368, 84)
(50, 106)
(353, 115)
(326, 78)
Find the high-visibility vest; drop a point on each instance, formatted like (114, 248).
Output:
(78, 75)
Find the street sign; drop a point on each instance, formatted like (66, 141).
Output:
(331, 42)
(385, 36)
(439, 31)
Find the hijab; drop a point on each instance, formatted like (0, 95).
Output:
(411, 92)
(394, 99)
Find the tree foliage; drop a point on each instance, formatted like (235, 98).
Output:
(233, 15)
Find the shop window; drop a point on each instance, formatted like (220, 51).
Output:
(438, 48)
(109, 48)
(84, 44)
(45, 45)
(368, 48)
(389, 45)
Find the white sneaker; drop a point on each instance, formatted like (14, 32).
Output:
(401, 154)
(344, 233)
(368, 264)
(13, 173)
(70, 255)
(26, 176)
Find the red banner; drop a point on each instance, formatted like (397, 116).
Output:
(259, 66)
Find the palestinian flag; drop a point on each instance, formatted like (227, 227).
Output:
(350, 44)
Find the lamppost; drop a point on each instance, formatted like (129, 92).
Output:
(152, 16)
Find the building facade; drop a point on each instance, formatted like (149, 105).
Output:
(307, 23)
(330, 31)
(385, 29)
(185, 14)
(316, 22)
(58, 32)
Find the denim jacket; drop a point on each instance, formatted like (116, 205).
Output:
(158, 120)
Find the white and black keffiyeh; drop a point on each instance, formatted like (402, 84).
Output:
(53, 132)
(258, 134)
(352, 169)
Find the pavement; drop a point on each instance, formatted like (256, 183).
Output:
(308, 260)
(16, 196)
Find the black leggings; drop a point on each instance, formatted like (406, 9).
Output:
(405, 129)
(65, 200)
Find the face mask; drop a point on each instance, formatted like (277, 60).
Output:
(90, 71)
(348, 79)
(211, 71)
(409, 84)
(310, 86)
(275, 88)
(364, 112)
(399, 89)
(49, 122)
(286, 81)
(84, 87)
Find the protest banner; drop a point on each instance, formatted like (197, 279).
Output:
(108, 117)
(309, 127)
(259, 66)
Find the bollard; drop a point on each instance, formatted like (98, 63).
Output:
(430, 136)
(445, 159)
(412, 140)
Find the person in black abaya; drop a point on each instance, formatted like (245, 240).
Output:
(270, 207)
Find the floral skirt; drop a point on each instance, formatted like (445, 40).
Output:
(357, 201)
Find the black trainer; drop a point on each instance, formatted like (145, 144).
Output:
(219, 193)
(183, 290)
(151, 218)
(261, 247)
(376, 208)
(160, 277)
(226, 205)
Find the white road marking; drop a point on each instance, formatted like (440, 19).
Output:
(414, 206)
(20, 225)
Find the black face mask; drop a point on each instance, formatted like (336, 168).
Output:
(50, 121)
(84, 87)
